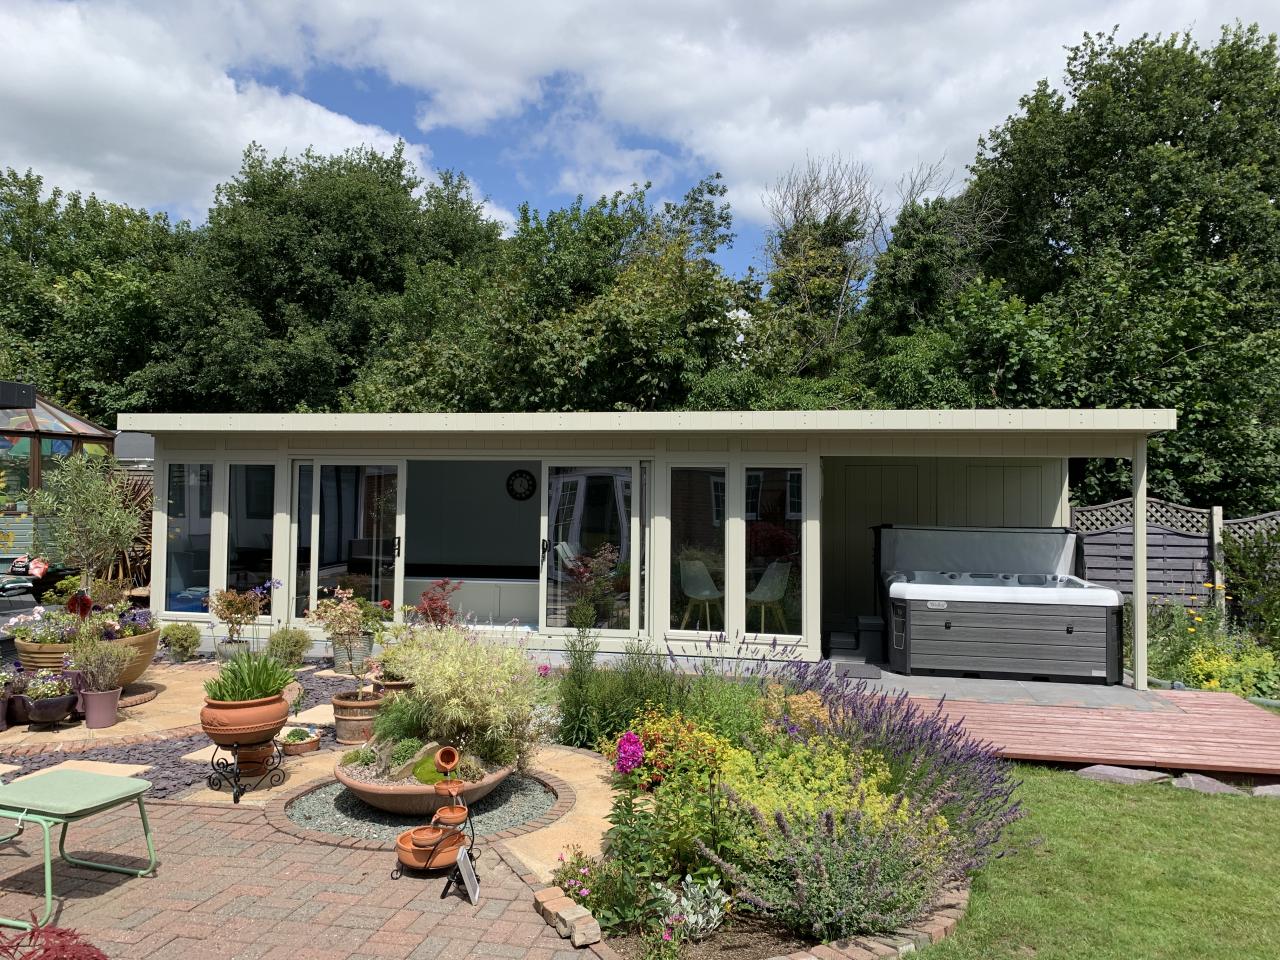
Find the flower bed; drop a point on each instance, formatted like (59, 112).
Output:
(783, 799)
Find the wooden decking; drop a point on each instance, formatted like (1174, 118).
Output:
(1212, 732)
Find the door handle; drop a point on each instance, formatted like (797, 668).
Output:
(397, 546)
(546, 548)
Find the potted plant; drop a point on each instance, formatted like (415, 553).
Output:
(44, 639)
(343, 622)
(299, 740)
(101, 666)
(49, 697)
(239, 610)
(389, 664)
(244, 704)
(181, 641)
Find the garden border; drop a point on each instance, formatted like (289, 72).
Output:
(278, 819)
(80, 746)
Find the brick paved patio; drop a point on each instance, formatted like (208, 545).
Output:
(231, 887)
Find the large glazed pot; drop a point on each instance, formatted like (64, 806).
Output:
(352, 717)
(49, 656)
(416, 799)
(243, 721)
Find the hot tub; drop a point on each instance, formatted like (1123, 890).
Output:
(1016, 611)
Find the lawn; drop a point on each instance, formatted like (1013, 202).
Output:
(1126, 872)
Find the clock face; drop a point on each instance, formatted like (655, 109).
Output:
(521, 485)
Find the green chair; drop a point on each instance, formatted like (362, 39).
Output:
(60, 798)
(697, 585)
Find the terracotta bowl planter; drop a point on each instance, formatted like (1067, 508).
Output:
(48, 656)
(297, 748)
(416, 799)
(353, 718)
(243, 721)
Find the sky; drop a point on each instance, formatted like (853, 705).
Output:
(151, 102)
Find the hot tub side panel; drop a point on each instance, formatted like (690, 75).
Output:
(1056, 641)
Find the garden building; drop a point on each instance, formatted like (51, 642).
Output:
(683, 527)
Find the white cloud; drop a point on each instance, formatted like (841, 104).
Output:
(746, 87)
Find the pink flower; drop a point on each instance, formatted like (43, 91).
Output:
(560, 857)
(666, 934)
(630, 753)
(585, 892)
(584, 871)
(544, 670)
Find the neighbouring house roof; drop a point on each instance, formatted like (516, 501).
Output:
(1123, 421)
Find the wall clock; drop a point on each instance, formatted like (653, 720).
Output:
(521, 485)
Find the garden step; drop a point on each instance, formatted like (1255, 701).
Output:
(1130, 776)
(1202, 784)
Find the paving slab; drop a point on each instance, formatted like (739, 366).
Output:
(584, 826)
(1202, 784)
(1130, 776)
(94, 766)
(321, 715)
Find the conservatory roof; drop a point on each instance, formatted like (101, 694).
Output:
(47, 419)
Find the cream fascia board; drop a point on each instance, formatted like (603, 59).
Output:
(1129, 421)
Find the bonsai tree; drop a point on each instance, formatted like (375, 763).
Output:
(86, 514)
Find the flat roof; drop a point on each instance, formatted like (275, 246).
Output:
(1129, 421)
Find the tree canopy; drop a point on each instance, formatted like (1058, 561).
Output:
(1113, 245)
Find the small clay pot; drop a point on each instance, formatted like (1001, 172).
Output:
(100, 707)
(296, 748)
(446, 759)
(454, 815)
(443, 854)
(424, 838)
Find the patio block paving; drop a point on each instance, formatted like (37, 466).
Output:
(230, 886)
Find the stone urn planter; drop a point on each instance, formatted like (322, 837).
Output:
(227, 722)
(100, 707)
(415, 799)
(353, 715)
(49, 656)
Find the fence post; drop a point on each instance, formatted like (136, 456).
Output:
(1139, 465)
(1216, 558)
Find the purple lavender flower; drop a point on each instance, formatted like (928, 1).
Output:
(630, 752)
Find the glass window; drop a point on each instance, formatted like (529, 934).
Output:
(96, 449)
(589, 564)
(51, 451)
(302, 549)
(15, 472)
(251, 489)
(754, 479)
(358, 531)
(697, 548)
(773, 552)
(190, 498)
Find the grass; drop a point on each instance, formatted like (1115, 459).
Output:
(1108, 872)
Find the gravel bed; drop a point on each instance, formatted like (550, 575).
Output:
(169, 774)
(334, 809)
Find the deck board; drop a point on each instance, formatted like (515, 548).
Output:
(1211, 732)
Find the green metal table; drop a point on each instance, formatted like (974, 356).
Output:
(60, 798)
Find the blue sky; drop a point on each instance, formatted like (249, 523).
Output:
(152, 103)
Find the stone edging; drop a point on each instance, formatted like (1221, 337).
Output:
(278, 818)
(137, 699)
(80, 746)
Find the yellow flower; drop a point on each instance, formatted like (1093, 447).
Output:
(1199, 619)
(1191, 629)
(1221, 586)
(1191, 610)
(1229, 597)
(1209, 585)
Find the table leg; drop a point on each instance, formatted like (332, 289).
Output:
(48, 881)
(114, 868)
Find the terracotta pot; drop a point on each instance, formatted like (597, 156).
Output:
(297, 748)
(52, 710)
(415, 799)
(441, 855)
(392, 686)
(48, 656)
(100, 707)
(446, 759)
(243, 721)
(253, 760)
(424, 838)
(353, 718)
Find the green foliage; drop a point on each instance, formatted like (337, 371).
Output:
(404, 750)
(182, 640)
(1253, 577)
(474, 692)
(248, 676)
(101, 663)
(63, 590)
(1197, 647)
(288, 645)
(730, 707)
(86, 512)
(359, 757)
(599, 700)
(297, 735)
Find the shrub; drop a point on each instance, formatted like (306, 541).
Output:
(101, 664)
(691, 910)
(240, 609)
(1195, 647)
(435, 605)
(1253, 577)
(604, 887)
(404, 750)
(1238, 666)
(181, 640)
(108, 594)
(47, 943)
(63, 590)
(289, 645)
(248, 676)
(728, 706)
(475, 692)
(671, 742)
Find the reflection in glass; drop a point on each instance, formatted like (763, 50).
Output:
(251, 491)
(589, 531)
(52, 450)
(773, 521)
(302, 549)
(15, 472)
(189, 513)
(358, 531)
(697, 548)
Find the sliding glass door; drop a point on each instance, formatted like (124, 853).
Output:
(346, 532)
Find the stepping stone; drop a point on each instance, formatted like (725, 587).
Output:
(1128, 776)
(203, 755)
(1202, 784)
(321, 715)
(1270, 790)
(94, 766)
